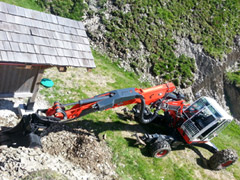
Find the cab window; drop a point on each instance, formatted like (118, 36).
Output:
(196, 107)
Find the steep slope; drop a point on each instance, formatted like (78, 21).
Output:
(232, 91)
(189, 42)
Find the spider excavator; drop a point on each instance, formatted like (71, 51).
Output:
(188, 124)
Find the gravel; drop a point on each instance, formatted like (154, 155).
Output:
(72, 152)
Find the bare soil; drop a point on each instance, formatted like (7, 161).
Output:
(80, 147)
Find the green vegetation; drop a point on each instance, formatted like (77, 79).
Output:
(73, 9)
(133, 162)
(234, 77)
(213, 24)
(30, 4)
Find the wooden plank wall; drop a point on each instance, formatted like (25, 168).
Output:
(16, 81)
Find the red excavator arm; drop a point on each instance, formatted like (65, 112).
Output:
(109, 100)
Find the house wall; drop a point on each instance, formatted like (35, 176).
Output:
(16, 81)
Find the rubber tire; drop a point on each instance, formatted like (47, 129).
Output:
(222, 159)
(160, 149)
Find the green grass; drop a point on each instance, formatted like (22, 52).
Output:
(230, 139)
(30, 4)
(133, 162)
(234, 77)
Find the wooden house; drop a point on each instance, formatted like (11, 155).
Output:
(31, 41)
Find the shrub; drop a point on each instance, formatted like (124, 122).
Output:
(73, 9)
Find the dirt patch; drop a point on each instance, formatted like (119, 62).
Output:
(82, 148)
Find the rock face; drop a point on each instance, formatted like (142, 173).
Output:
(232, 93)
(96, 29)
(209, 78)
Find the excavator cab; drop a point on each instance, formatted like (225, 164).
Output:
(205, 118)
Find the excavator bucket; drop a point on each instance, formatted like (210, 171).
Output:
(26, 133)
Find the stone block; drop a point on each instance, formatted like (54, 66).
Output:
(3, 36)
(1, 46)
(30, 48)
(29, 39)
(37, 49)
(81, 26)
(41, 59)
(4, 56)
(3, 7)
(67, 53)
(54, 19)
(15, 46)
(3, 17)
(11, 9)
(60, 52)
(23, 47)
(10, 56)
(7, 46)
(20, 11)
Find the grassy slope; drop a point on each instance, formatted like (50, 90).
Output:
(154, 24)
(30, 4)
(132, 162)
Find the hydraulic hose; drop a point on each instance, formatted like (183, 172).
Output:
(141, 115)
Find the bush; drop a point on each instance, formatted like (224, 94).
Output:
(73, 9)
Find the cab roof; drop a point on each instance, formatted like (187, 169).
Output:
(218, 108)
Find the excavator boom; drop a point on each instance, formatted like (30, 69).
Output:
(110, 100)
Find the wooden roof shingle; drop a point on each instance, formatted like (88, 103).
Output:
(32, 37)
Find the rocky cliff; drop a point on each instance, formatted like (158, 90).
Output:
(232, 94)
(209, 78)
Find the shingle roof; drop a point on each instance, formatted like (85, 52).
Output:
(32, 37)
